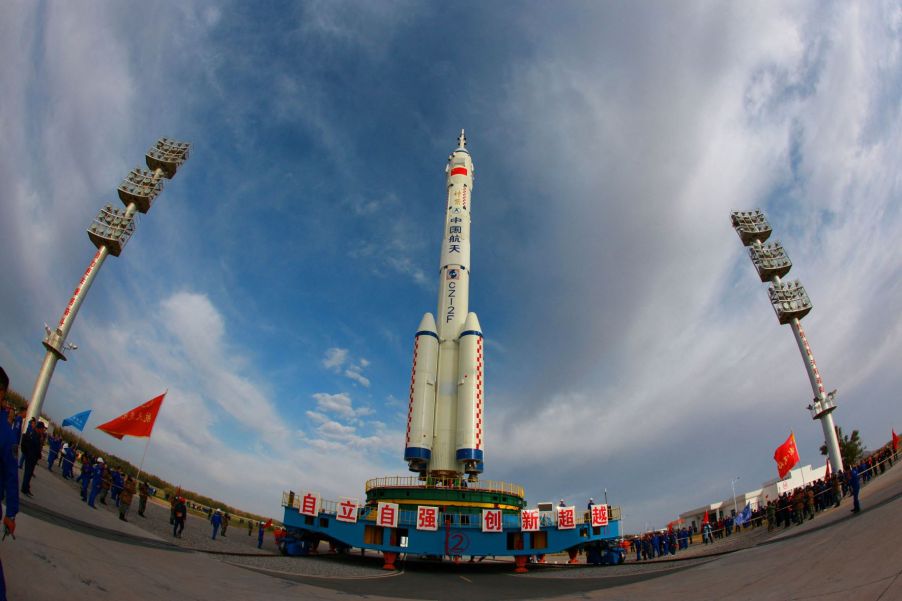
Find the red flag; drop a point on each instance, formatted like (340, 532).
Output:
(137, 422)
(827, 472)
(895, 441)
(267, 524)
(706, 519)
(786, 455)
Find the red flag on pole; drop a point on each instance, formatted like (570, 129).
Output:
(786, 455)
(706, 519)
(895, 441)
(137, 422)
(268, 523)
(827, 471)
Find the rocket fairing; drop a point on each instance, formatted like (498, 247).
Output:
(445, 415)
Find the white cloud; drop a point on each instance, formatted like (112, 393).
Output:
(336, 403)
(339, 404)
(353, 373)
(335, 358)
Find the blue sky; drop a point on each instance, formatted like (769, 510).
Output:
(275, 286)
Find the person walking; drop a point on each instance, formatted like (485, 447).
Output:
(260, 535)
(216, 520)
(29, 428)
(105, 484)
(178, 516)
(226, 518)
(116, 488)
(96, 481)
(87, 472)
(143, 493)
(54, 444)
(125, 497)
(855, 485)
(31, 454)
(68, 461)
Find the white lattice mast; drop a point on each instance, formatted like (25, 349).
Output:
(110, 231)
(791, 304)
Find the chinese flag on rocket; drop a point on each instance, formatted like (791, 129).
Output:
(786, 455)
(137, 422)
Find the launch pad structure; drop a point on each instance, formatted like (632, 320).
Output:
(444, 510)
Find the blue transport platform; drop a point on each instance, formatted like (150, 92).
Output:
(459, 516)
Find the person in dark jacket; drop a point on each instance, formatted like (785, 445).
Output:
(19, 423)
(143, 493)
(179, 510)
(31, 454)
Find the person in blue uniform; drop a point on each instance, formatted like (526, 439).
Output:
(54, 444)
(96, 481)
(216, 520)
(116, 489)
(87, 472)
(9, 473)
(855, 485)
(68, 461)
(18, 424)
(260, 535)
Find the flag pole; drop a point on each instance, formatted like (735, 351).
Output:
(141, 467)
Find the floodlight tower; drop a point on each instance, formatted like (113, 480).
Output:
(791, 304)
(110, 231)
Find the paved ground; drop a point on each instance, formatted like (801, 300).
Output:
(66, 550)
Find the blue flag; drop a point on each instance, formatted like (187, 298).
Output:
(744, 516)
(78, 420)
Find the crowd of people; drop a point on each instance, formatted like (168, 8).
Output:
(791, 507)
(22, 448)
(100, 481)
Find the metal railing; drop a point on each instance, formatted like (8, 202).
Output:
(408, 517)
(449, 484)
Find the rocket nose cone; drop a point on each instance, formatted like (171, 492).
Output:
(427, 324)
(472, 323)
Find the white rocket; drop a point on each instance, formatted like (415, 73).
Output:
(447, 394)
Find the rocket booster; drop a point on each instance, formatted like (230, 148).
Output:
(444, 421)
